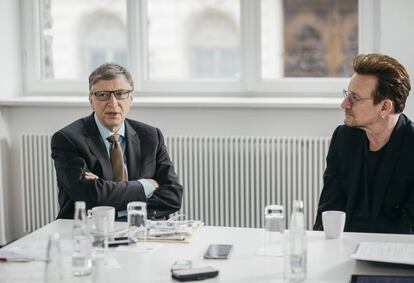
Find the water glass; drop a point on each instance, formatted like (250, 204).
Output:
(82, 242)
(100, 243)
(137, 219)
(274, 229)
(296, 255)
(54, 268)
(100, 252)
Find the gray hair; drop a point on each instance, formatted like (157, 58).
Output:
(109, 71)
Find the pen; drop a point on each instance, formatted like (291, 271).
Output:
(15, 259)
(118, 243)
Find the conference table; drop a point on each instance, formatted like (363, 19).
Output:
(328, 259)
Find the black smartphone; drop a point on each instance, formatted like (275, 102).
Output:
(194, 273)
(120, 241)
(382, 278)
(218, 251)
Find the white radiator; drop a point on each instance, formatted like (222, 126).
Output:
(227, 180)
(39, 181)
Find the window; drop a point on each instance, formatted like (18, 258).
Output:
(198, 46)
(102, 38)
(215, 62)
(214, 44)
(77, 36)
(193, 39)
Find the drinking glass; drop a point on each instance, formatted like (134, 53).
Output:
(137, 220)
(274, 229)
(53, 269)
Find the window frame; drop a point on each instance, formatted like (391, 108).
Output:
(249, 84)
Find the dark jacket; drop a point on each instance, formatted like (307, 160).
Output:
(79, 147)
(392, 204)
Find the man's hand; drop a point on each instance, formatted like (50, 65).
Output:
(90, 176)
(154, 183)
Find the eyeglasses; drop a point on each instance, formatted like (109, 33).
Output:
(352, 98)
(119, 94)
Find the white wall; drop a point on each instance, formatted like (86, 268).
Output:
(396, 40)
(188, 121)
(11, 85)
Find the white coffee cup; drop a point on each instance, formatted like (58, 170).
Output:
(333, 223)
(104, 218)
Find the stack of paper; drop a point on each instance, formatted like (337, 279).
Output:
(175, 231)
(402, 253)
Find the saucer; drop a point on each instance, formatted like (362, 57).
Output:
(118, 231)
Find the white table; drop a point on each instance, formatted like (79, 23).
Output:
(328, 260)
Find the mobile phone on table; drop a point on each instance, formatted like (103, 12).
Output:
(382, 278)
(120, 241)
(218, 251)
(194, 273)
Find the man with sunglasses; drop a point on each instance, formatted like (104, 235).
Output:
(107, 159)
(370, 163)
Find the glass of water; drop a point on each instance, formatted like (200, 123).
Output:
(53, 269)
(274, 229)
(137, 220)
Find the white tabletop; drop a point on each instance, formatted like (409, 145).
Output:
(328, 260)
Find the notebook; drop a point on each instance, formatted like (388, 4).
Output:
(391, 252)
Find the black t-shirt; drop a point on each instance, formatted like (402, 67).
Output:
(361, 219)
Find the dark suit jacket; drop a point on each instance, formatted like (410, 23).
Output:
(392, 206)
(79, 147)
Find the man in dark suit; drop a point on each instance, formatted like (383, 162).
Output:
(107, 159)
(370, 163)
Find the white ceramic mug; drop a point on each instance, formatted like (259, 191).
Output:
(103, 216)
(333, 223)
